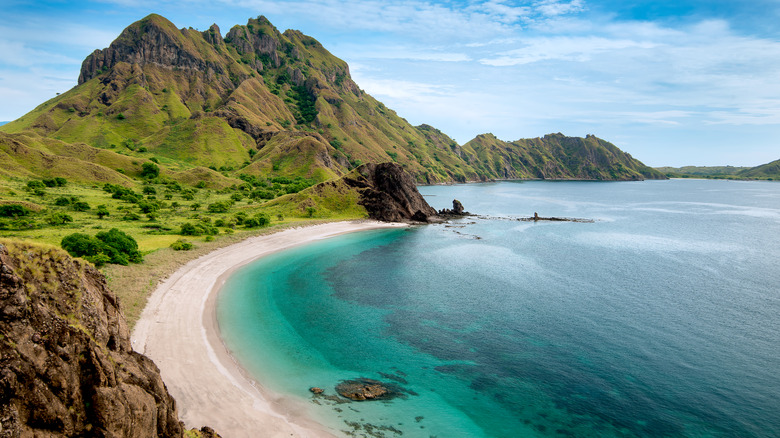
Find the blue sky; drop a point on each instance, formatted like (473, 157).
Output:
(671, 82)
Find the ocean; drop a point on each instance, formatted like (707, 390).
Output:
(661, 318)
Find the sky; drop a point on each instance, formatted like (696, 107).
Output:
(684, 82)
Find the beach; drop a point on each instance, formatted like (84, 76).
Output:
(179, 331)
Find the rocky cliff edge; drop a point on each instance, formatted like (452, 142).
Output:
(67, 368)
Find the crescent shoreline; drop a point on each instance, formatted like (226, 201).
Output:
(179, 331)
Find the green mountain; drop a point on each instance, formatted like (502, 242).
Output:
(554, 156)
(764, 171)
(701, 171)
(260, 102)
(768, 171)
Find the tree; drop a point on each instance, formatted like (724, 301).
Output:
(59, 218)
(102, 211)
(150, 170)
(80, 206)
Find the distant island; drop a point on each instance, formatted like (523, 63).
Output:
(769, 171)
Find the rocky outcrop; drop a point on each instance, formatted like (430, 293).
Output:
(389, 193)
(67, 368)
(152, 40)
(365, 389)
(457, 210)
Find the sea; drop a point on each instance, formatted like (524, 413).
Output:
(657, 316)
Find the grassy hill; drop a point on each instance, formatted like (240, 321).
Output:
(278, 104)
(765, 171)
(769, 171)
(173, 128)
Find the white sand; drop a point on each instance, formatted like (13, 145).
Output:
(178, 330)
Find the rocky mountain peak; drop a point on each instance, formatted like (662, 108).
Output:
(152, 40)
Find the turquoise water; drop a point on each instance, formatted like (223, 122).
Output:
(662, 318)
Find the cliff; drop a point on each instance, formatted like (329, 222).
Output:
(389, 193)
(67, 368)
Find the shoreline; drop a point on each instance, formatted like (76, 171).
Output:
(179, 331)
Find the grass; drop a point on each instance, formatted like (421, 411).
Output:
(135, 282)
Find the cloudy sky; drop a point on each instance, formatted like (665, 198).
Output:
(671, 82)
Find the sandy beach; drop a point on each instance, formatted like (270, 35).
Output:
(178, 330)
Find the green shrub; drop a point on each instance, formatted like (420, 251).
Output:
(62, 201)
(80, 206)
(220, 207)
(35, 185)
(58, 218)
(13, 210)
(111, 246)
(181, 245)
(197, 229)
(257, 221)
(150, 170)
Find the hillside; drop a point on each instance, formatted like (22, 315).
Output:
(769, 171)
(68, 367)
(554, 156)
(259, 101)
(764, 171)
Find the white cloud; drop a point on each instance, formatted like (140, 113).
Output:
(564, 48)
(557, 7)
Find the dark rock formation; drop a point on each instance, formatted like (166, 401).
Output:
(537, 218)
(457, 210)
(67, 368)
(364, 389)
(389, 193)
(316, 390)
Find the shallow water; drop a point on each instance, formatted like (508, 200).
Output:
(659, 319)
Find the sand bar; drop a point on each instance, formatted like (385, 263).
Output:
(178, 330)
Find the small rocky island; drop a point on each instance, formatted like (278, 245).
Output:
(537, 218)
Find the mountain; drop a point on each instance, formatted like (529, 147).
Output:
(554, 156)
(764, 171)
(767, 171)
(259, 102)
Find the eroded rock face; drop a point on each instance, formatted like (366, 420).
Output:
(389, 193)
(67, 368)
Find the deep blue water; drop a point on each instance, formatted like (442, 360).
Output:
(661, 318)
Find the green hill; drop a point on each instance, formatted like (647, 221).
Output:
(279, 104)
(767, 171)
(172, 131)
(764, 171)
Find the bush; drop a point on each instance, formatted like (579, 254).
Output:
(58, 218)
(111, 246)
(62, 201)
(80, 206)
(181, 245)
(13, 210)
(150, 170)
(259, 220)
(197, 229)
(35, 185)
(220, 207)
